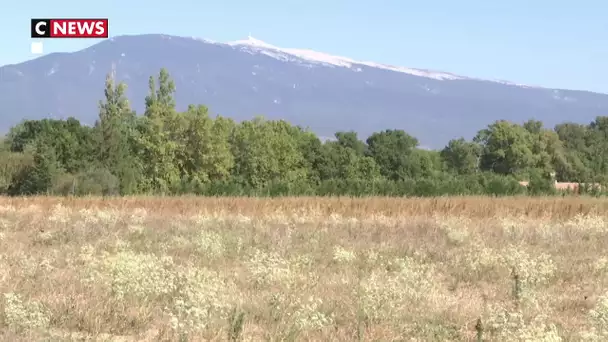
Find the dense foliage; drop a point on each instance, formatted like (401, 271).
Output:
(167, 152)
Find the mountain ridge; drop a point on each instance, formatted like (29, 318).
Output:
(250, 77)
(300, 52)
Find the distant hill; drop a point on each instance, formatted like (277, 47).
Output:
(246, 78)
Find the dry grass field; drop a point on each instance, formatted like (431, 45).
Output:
(303, 269)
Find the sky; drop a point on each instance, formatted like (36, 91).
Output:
(557, 43)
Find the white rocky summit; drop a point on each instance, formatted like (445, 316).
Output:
(257, 46)
(253, 45)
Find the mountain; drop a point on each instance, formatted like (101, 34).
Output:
(246, 78)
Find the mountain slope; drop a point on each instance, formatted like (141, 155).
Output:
(246, 78)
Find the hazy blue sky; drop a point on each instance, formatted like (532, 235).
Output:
(554, 43)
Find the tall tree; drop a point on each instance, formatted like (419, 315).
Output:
(310, 146)
(547, 148)
(267, 151)
(157, 143)
(574, 138)
(461, 156)
(507, 148)
(597, 142)
(391, 149)
(339, 162)
(350, 140)
(207, 155)
(115, 131)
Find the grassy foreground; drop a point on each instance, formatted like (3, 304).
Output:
(312, 269)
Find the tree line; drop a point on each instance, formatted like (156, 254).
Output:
(168, 152)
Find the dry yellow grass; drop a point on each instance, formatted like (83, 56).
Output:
(335, 269)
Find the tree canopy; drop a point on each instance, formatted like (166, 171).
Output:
(165, 151)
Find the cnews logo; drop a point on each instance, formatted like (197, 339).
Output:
(69, 28)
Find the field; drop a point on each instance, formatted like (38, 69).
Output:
(311, 269)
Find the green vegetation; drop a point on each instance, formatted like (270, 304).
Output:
(167, 152)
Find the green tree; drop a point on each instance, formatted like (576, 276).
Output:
(597, 142)
(267, 151)
(391, 149)
(208, 157)
(340, 162)
(156, 141)
(547, 148)
(70, 140)
(574, 138)
(40, 177)
(506, 148)
(461, 156)
(423, 164)
(115, 134)
(12, 164)
(350, 140)
(540, 183)
(310, 146)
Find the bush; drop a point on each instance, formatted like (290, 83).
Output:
(540, 184)
(97, 182)
(12, 164)
(498, 185)
(64, 185)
